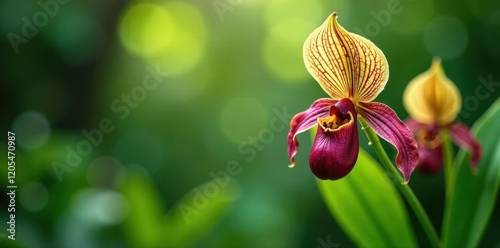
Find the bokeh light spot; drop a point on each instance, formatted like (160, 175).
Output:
(110, 207)
(145, 28)
(241, 118)
(34, 196)
(188, 47)
(282, 49)
(445, 36)
(79, 38)
(288, 26)
(32, 129)
(104, 207)
(172, 35)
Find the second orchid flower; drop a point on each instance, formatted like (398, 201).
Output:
(433, 102)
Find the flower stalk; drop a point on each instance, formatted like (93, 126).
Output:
(449, 170)
(405, 190)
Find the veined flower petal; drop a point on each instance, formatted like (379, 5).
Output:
(387, 125)
(336, 145)
(432, 97)
(345, 65)
(462, 136)
(305, 120)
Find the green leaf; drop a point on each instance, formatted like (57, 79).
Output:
(145, 210)
(367, 207)
(200, 210)
(471, 205)
(149, 225)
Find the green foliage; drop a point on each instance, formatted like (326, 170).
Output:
(471, 205)
(145, 211)
(197, 213)
(78, 70)
(368, 208)
(192, 217)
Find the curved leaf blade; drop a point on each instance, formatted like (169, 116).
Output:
(199, 211)
(474, 196)
(367, 206)
(145, 210)
(148, 225)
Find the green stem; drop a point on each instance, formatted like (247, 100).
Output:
(449, 171)
(404, 188)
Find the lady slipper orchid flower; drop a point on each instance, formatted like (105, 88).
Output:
(353, 71)
(433, 102)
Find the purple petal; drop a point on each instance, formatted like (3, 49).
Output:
(431, 160)
(462, 137)
(335, 148)
(305, 120)
(387, 125)
(414, 125)
(430, 149)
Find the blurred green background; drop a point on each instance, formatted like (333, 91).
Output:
(172, 93)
